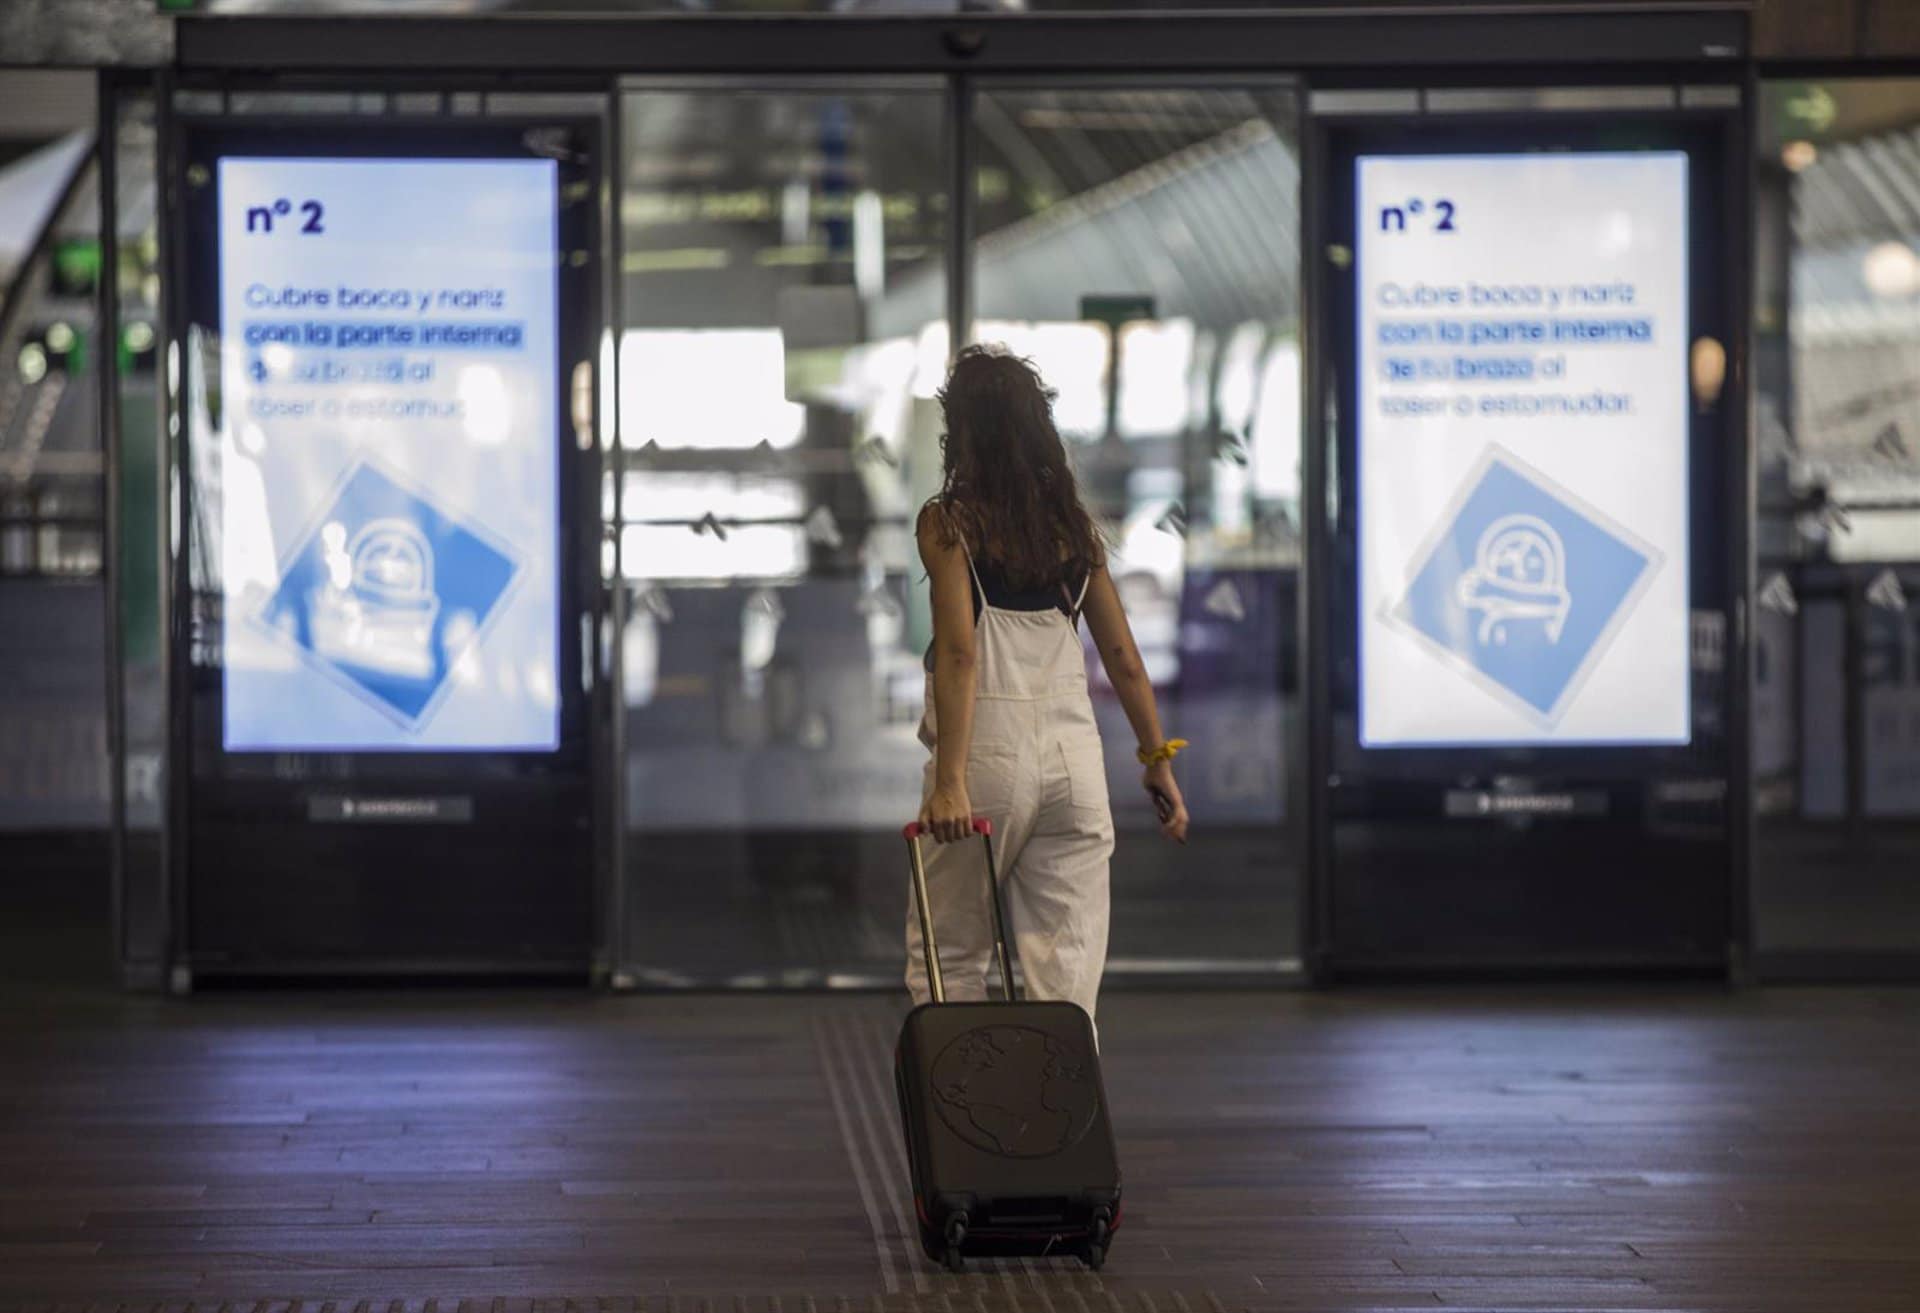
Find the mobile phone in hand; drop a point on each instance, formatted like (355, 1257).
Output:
(1162, 804)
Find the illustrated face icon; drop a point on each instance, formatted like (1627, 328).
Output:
(1519, 574)
(1523, 556)
(392, 563)
(377, 610)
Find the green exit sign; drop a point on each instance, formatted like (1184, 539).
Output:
(1117, 309)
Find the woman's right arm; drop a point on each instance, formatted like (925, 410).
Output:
(1113, 636)
(948, 811)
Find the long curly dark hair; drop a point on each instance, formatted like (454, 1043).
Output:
(1008, 484)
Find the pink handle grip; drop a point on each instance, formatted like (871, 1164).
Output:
(913, 830)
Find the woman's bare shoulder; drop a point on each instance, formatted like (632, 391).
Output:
(946, 519)
(934, 521)
(940, 526)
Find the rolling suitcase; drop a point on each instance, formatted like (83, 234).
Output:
(1005, 1114)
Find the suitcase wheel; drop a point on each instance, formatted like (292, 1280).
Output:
(955, 1237)
(1094, 1255)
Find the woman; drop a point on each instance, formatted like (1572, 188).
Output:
(1015, 561)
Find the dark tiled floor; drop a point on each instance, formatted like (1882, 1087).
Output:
(1648, 1148)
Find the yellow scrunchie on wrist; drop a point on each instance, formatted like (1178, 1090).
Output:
(1165, 752)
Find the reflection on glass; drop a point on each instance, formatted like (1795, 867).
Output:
(699, 527)
(53, 728)
(1836, 633)
(1140, 247)
(1156, 396)
(786, 331)
(716, 389)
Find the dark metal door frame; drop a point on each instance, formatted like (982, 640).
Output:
(1530, 35)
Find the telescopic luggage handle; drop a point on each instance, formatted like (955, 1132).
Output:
(935, 986)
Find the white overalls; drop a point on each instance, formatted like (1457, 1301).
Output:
(1036, 770)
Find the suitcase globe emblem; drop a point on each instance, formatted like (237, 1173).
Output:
(1015, 1091)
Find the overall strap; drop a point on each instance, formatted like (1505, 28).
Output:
(979, 589)
(1080, 602)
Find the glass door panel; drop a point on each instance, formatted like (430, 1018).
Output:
(785, 326)
(1836, 680)
(1142, 246)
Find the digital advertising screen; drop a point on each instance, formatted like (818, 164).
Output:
(388, 454)
(1522, 442)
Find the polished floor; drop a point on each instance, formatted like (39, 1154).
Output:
(1574, 1148)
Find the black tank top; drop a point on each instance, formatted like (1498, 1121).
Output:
(1059, 596)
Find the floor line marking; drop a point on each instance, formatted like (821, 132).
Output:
(889, 1279)
(864, 1090)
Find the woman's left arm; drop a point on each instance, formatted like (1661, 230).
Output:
(1113, 637)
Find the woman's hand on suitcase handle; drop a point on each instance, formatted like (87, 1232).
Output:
(1167, 801)
(947, 814)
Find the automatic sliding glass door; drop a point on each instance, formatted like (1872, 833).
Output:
(1141, 244)
(785, 328)
(786, 310)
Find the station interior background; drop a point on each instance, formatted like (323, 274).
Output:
(773, 654)
(786, 294)
(776, 616)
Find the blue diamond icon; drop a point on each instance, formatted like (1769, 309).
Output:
(386, 590)
(1522, 586)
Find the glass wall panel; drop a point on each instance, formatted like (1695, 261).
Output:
(1142, 247)
(785, 315)
(1836, 697)
(53, 776)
